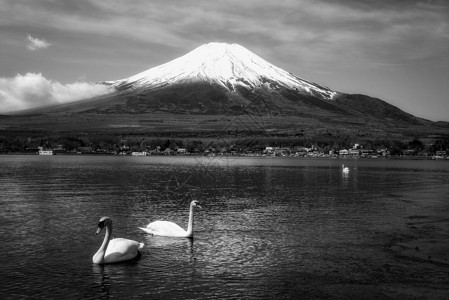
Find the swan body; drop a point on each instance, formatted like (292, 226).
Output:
(114, 250)
(344, 169)
(166, 228)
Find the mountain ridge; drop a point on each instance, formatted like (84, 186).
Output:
(229, 65)
(200, 92)
(231, 78)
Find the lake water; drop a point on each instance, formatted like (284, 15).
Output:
(270, 228)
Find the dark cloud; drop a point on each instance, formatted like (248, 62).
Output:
(311, 27)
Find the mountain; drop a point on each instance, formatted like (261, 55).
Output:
(228, 79)
(219, 78)
(203, 89)
(228, 65)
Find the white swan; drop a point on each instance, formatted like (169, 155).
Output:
(114, 250)
(165, 228)
(344, 169)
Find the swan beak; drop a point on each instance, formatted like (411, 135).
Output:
(98, 230)
(199, 206)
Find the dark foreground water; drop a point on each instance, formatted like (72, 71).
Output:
(269, 228)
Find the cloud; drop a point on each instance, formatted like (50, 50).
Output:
(379, 31)
(36, 44)
(33, 90)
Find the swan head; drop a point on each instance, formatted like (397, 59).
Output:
(195, 203)
(102, 223)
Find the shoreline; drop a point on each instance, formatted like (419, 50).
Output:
(390, 157)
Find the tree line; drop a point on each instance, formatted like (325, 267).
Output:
(112, 143)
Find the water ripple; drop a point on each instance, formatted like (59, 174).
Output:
(268, 228)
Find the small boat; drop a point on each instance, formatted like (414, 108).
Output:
(437, 157)
(138, 153)
(46, 152)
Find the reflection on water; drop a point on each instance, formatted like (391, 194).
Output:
(163, 242)
(102, 280)
(269, 228)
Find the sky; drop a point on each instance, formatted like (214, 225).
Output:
(55, 51)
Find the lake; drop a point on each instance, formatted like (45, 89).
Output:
(269, 228)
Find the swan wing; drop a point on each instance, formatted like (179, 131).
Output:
(165, 228)
(120, 249)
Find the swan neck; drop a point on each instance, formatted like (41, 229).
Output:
(104, 245)
(190, 225)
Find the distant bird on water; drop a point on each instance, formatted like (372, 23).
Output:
(344, 169)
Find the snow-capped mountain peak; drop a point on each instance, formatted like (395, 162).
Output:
(225, 64)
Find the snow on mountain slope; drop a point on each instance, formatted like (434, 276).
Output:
(228, 65)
